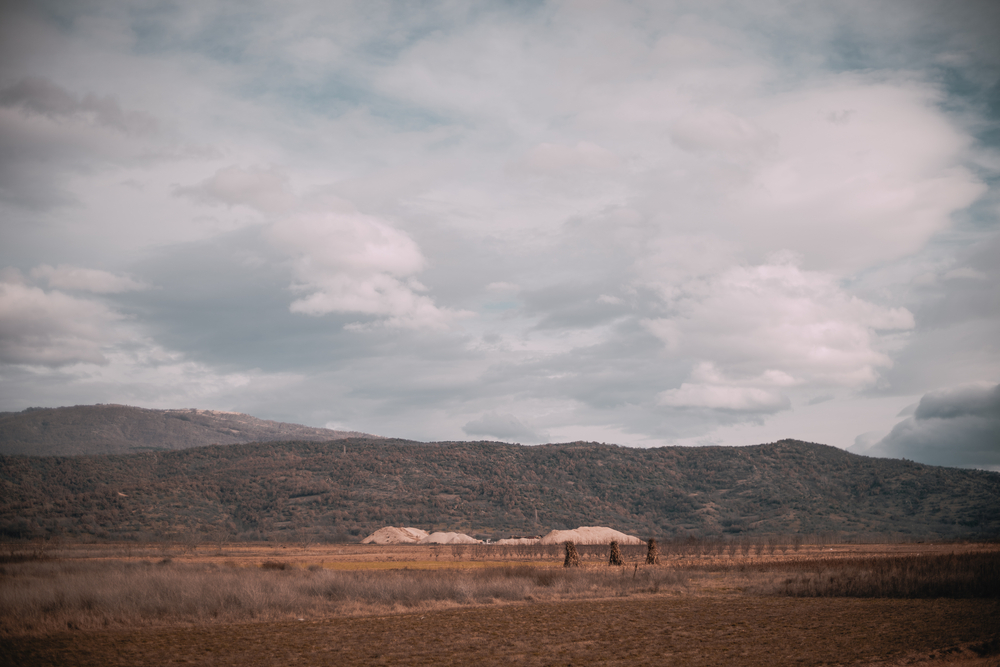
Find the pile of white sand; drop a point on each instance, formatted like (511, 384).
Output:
(449, 538)
(589, 535)
(393, 535)
(582, 535)
(518, 540)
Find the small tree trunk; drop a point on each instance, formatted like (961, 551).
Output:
(572, 558)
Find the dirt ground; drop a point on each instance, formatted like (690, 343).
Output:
(697, 630)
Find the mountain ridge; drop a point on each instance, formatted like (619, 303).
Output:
(119, 429)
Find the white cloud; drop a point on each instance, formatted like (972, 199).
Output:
(148, 374)
(87, 280)
(348, 262)
(873, 186)
(52, 328)
(567, 170)
(48, 133)
(714, 130)
(140, 372)
(57, 348)
(710, 388)
(758, 328)
(555, 158)
(720, 397)
(267, 190)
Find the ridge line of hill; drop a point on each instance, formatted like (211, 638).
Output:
(119, 429)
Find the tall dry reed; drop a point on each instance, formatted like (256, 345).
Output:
(969, 575)
(38, 597)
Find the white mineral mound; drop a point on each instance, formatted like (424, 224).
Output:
(589, 535)
(449, 538)
(393, 535)
(518, 540)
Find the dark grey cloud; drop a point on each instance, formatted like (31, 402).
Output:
(956, 427)
(225, 301)
(41, 96)
(966, 290)
(48, 132)
(957, 312)
(573, 305)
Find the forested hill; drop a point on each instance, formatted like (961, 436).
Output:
(118, 429)
(348, 488)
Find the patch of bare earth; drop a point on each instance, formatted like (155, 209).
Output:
(695, 630)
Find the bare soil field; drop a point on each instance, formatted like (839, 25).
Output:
(458, 607)
(695, 630)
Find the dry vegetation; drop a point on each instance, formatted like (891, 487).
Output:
(348, 604)
(968, 575)
(47, 596)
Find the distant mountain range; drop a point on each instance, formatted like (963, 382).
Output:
(119, 429)
(343, 490)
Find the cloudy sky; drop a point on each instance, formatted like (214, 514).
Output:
(644, 223)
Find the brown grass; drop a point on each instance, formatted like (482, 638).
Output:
(39, 594)
(969, 575)
(46, 596)
(272, 604)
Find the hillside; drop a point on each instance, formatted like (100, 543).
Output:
(346, 489)
(119, 429)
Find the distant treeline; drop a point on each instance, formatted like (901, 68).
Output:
(346, 489)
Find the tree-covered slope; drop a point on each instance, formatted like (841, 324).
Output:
(348, 488)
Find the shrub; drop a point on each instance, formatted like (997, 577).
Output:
(274, 565)
(974, 575)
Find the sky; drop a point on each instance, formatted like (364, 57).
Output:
(641, 223)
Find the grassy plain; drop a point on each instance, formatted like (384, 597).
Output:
(267, 604)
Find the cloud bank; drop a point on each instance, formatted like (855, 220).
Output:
(647, 223)
(959, 426)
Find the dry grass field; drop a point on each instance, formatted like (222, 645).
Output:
(222, 604)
